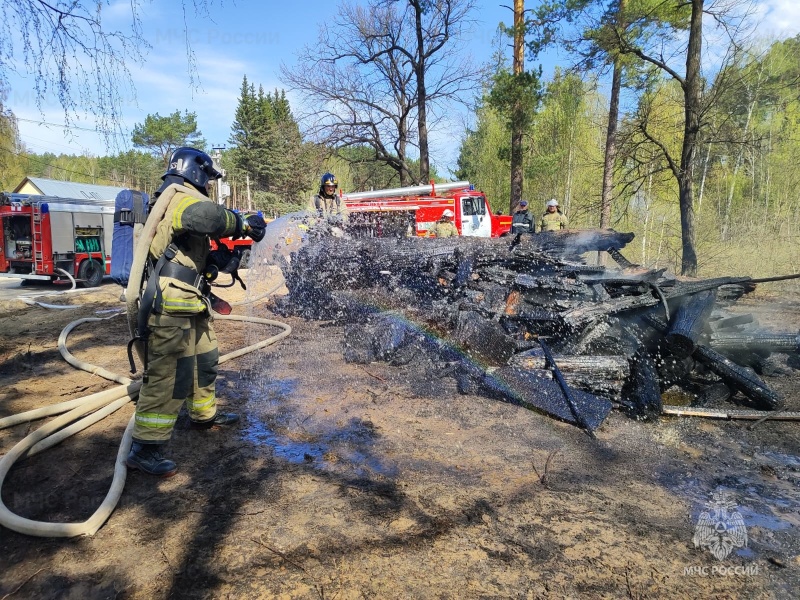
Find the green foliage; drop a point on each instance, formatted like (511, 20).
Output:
(484, 157)
(132, 169)
(745, 177)
(274, 205)
(563, 151)
(357, 170)
(564, 156)
(268, 150)
(162, 135)
(751, 174)
(515, 96)
(11, 165)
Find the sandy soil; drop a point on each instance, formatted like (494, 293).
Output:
(346, 481)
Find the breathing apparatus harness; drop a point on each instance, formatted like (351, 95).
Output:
(219, 261)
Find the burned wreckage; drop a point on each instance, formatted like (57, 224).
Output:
(526, 320)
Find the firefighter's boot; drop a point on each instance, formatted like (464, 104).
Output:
(220, 419)
(148, 458)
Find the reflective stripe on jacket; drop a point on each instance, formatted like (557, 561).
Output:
(522, 222)
(443, 229)
(553, 221)
(191, 220)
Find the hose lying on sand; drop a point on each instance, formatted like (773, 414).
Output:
(52, 306)
(99, 405)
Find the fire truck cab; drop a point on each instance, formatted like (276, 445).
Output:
(414, 210)
(44, 237)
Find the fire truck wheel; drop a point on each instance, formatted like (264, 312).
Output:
(91, 272)
(244, 263)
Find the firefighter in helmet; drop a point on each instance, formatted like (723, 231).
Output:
(180, 347)
(444, 227)
(327, 202)
(553, 219)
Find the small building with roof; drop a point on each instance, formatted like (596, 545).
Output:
(67, 189)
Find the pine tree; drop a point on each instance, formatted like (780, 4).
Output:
(269, 148)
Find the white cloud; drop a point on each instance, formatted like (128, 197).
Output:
(164, 87)
(779, 18)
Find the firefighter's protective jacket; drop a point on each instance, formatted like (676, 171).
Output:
(327, 205)
(443, 229)
(191, 220)
(553, 221)
(522, 222)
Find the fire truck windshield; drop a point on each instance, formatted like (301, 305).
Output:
(473, 205)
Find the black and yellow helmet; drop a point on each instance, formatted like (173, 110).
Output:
(328, 179)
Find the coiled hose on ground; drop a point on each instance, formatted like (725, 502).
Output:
(99, 405)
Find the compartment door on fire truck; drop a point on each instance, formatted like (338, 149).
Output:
(474, 220)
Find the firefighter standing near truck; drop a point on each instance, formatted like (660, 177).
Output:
(553, 219)
(180, 346)
(327, 201)
(444, 227)
(522, 222)
(329, 208)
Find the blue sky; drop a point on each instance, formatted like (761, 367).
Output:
(253, 38)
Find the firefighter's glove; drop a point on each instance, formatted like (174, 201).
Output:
(254, 227)
(221, 260)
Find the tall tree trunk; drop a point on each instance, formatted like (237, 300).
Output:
(647, 206)
(692, 90)
(517, 118)
(422, 98)
(611, 146)
(570, 175)
(606, 196)
(402, 143)
(611, 131)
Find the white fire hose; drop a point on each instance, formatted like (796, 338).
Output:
(100, 405)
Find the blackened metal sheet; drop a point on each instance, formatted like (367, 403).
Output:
(538, 393)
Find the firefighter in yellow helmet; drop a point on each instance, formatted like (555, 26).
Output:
(327, 201)
(180, 347)
(553, 219)
(444, 227)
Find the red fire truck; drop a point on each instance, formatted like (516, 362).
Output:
(414, 210)
(46, 238)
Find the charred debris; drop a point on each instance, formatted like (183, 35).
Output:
(526, 320)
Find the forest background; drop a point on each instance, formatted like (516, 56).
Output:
(370, 128)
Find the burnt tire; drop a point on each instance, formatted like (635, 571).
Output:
(90, 273)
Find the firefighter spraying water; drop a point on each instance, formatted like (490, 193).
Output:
(177, 342)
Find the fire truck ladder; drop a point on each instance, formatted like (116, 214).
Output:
(38, 254)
